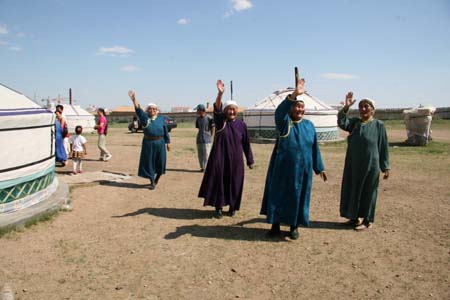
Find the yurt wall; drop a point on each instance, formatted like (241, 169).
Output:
(27, 167)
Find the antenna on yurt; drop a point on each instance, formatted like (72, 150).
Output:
(231, 89)
(70, 96)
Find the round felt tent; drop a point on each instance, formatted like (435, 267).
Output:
(260, 118)
(75, 115)
(27, 165)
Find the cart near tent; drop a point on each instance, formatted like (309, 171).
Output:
(418, 125)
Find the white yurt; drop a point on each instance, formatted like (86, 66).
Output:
(75, 115)
(27, 164)
(260, 118)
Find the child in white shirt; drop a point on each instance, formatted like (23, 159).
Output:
(77, 149)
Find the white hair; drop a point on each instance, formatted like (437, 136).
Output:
(230, 103)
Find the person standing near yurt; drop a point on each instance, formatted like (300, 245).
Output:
(223, 180)
(206, 127)
(60, 133)
(152, 163)
(63, 122)
(78, 150)
(102, 130)
(294, 159)
(367, 154)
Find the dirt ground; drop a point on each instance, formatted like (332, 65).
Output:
(123, 241)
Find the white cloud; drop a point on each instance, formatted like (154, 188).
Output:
(115, 51)
(21, 34)
(3, 29)
(130, 68)
(228, 14)
(3, 43)
(183, 21)
(239, 5)
(15, 48)
(338, 76)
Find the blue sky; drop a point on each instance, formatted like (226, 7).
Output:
(171, 52)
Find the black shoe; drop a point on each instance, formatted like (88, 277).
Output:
(152, 185)
(218, 214)
(275, 231)
(294, 233)
(231, 212)
(157, 179)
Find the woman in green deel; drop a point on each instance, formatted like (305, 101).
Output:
(367, 154)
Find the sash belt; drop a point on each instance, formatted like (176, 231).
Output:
(153, 138)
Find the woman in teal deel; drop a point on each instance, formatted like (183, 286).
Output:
(294, 159)
(152, 163)
(367, 154)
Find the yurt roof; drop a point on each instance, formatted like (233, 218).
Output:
(271, 102)
(75, 110)
(11, 99)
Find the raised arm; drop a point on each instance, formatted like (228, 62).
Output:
(132, 96)
(219, 116)
(220, 90)
(142, 115)
(282, 111)
(344, 122)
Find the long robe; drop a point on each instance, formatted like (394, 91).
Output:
(367, 154)
(60, 150)
(153, 152)
(223, 180)
(289, 178)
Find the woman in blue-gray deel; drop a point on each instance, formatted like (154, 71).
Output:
(152, 163)
(294, 159)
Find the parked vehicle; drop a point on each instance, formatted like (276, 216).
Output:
(136, 125)
(171, 123)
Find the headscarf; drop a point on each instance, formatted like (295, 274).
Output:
(152, 105)
(230, 103)
(296, 99)
(371, 102)
(156, 115)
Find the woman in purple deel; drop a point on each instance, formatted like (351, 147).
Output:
(223, 180)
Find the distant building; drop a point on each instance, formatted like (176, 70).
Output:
(123, 109)
(179, 109)
(121, 114)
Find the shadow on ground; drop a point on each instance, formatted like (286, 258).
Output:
(128, 185)
(183, 170)
(225, 233)
(400, 144)
(312, 224)
(91, 159)
(171, 213)
(63, 172)
(329, 225)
